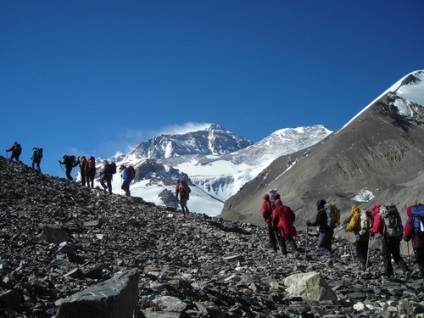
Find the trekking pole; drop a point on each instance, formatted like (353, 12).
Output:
(61, 167)
(368, 253)
(306, 241)
(278, 242)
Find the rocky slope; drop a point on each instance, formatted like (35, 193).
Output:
(58, 238)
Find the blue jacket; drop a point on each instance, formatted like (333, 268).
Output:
(126, 175)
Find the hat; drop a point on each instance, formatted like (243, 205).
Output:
(321, 203)
(266, 196)
(121, 167)
(272, 190)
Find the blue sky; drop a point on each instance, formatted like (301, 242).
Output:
(96, 77)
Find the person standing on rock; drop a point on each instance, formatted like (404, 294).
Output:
(37, 154)
(325, 239)
(390, 243)
(360, 223)
(414, 231)
(126, 179)
(69, 162)
(283, 218)
(183, 190)
(107, 175)
(90, 171)
(267, 215)
(82, 162)
(16, 150)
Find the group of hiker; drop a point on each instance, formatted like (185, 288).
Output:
(87, 168)
(384, 220)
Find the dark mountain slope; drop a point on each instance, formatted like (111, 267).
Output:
(379, 150)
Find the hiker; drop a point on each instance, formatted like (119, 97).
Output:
(414, 231)
(37, 154)
(273, 196)
(267, 215)
(107, 175)
(388, 224)
(90, 171)
(126, 179)
(82, 162)
(283, 218)
(69, 162)
(360, 224)
(183, 190)
(326, 233)
(16, 150)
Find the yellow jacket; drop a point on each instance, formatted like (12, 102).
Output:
(355, 222)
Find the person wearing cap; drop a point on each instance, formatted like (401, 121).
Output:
(267, 215)
(126, 179)
(326, 233)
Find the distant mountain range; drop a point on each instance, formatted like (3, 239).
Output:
(215, 161)
(377, 157)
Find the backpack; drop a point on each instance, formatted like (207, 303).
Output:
(418, 219)
(112, 167)
(365, 222)
(333, 215)
(38, 153)
(131, 170)
(392, 222)
(184, 189)
(18, 149)
(91, 162)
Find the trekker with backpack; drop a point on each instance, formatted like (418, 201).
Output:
(326, 232)
(37, 154)
(183, 190)
(69, 162)
(266, 211)
(127, 175)
(109, 169)
(414, 231)
(82, 162)
(90, 171)
(388, 224)
(16, 150)
(360, 224)
(283, 218)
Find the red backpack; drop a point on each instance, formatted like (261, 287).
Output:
(131, 171)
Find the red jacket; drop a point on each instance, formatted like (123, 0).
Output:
(378, 224)
(408, 231)
(283, 218)
(266, 211)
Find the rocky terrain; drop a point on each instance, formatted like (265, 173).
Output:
(58, 238)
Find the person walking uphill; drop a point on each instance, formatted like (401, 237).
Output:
(183, 190)
(127, 175)
(267, 215)
(16, 150)
(69, 162)
(37, 154)
(360, 224)
(283, 218)
(90, 171)
(326, 232)
(414, 231)
(109, 169)
(82, 162)
(388, 224)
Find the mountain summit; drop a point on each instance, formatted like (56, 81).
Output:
(214, 140)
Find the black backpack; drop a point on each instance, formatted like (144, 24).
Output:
(38, 153)
(18, 149)
(112, 167)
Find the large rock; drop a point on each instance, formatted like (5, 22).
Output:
(114, 298)
(310, 286)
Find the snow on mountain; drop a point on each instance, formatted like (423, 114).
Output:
(405, 93)
(215, 161)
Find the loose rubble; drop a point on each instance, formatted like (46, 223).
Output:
(59, 239)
